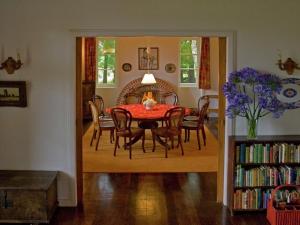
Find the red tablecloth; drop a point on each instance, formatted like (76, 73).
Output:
(139, 112)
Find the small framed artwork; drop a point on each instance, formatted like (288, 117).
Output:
(148, 59)
(13, 93)
(126, 67)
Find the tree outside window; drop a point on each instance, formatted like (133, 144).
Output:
(189, 63)
(106, 62)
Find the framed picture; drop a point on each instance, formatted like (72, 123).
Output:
(13, 93)
(148, 60)
(126, 67)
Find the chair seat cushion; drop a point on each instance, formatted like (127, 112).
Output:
(189, 124)
(135, 131)
(105, 118)
(191, 118)
(165, 132)
(107, 124)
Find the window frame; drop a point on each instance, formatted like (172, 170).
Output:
(102, 85)
(198, 41)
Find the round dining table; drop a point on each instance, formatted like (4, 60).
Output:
(141, 114)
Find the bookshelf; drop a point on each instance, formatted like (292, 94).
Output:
(257, 166)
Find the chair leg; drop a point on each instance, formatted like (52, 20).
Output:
(93, 136)
(111, 135)
(189, 134)
(153, 141)
(185, 135)
(198, 140)
(116, 145)
(166, 148)
(100, 133)
(124, 143)
(130, 148)
(180, 143)
(179, 136)
(203, 135)
(143, 143)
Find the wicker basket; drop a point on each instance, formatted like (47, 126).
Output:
(290, 216)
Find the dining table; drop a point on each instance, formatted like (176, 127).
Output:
(141, 114)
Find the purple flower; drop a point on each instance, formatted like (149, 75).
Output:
(247, 87)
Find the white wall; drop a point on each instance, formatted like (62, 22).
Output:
(42, 136)
(127, 52)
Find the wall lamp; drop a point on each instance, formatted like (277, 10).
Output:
(10, 64)
(289, 65)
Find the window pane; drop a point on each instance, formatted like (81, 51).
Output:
(188, 61)
(106, 76)
(106, 61)
(188, 75)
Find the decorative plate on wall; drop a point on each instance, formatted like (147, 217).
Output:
(126, 67)
(290, 93)
(170, 68)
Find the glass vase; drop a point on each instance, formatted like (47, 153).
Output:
(252, 128)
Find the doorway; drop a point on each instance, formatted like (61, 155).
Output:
(221, 122)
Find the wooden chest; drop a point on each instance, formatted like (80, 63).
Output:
(27, 196)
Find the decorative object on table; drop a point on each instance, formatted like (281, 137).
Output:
(290, 93)
(170, 68)
(148, 58)
(148, 101)
(126, 67)
(10, 64)
(252, 95)
(13, 93)
(289, 65)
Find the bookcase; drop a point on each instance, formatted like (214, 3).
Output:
(255, 167)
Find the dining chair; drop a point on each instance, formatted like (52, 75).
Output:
(173, 119)
(122, 119)
(196, 125)
(170, 98)
(100, 126)
(201, 101)
(99, 102)
(133, 98)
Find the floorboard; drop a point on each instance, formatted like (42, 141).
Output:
(151, 199)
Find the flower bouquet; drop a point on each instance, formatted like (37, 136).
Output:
(252, 95)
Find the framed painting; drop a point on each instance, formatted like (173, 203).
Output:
(148, 60)
(13, 93)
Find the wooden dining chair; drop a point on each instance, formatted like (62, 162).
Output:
(201, 101)
(133, 98)
(173, 119)
(100, 126)
(122, 120)
(170, 98)
(99, 102)
(196, 125)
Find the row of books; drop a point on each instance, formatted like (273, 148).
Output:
(266, 176)
(276, 153)
(251, 199)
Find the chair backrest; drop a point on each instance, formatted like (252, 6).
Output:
(122, 119)
(203, 113)
(95, 113)
(132, 98)
(99, 102)
(174, 118)
(170, 98)
(201, 101)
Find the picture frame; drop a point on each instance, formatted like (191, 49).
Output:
(148, 61)
(13, 93)
(126, 67)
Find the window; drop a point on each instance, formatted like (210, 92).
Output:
(189, 62)
(106, 62)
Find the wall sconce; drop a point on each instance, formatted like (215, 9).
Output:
(289, 65)
(10, 64)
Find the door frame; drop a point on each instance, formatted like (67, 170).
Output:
(230, 62)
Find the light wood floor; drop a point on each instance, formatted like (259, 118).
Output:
(102, 160)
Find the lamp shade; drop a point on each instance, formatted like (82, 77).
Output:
(148, 79)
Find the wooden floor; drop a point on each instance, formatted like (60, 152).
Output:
(193, 160)
(151, 199)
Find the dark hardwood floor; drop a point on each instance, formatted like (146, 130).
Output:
(151, 199)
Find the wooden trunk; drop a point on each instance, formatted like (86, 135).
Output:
(27, 196)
